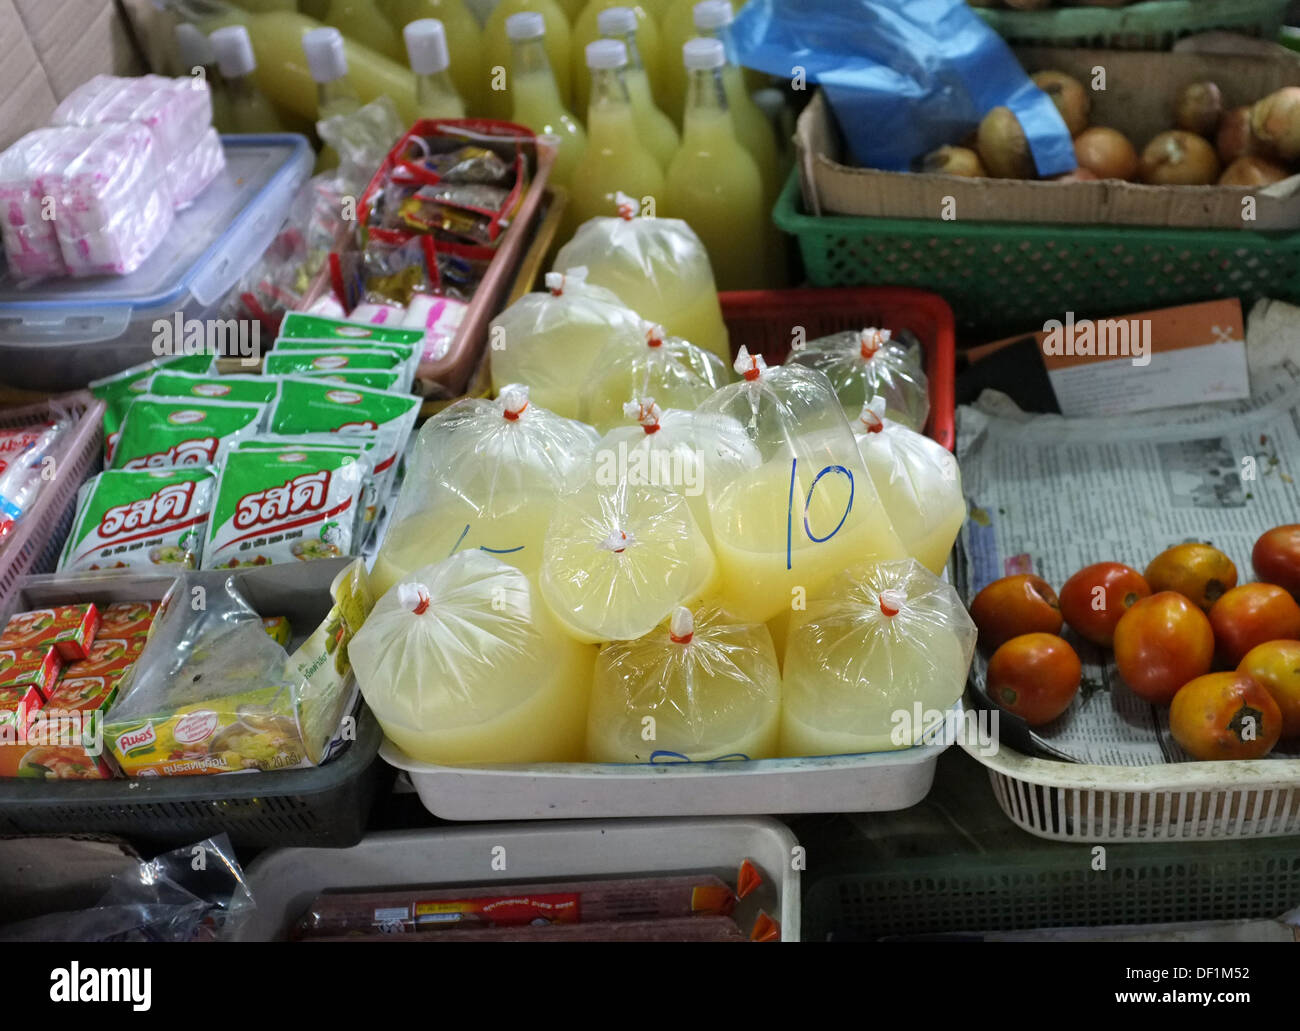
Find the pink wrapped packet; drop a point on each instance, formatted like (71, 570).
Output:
(31, 243)
(192, 172)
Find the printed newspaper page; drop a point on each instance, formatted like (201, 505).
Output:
(1051, 495)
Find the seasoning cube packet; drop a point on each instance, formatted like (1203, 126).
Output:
(162, 432)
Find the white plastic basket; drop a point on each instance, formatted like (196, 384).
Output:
(284, 881)
(1257, 798)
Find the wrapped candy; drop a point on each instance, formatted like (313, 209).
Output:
(864, 363)
(886, 641)
(698, 687)
(461, 664)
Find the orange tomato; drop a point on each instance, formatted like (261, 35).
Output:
(1197, 571)
(1094, 599)
(1225, 716)
(1253, 614)
(1015, 605)
(1034, 676)
(1276, 558)
(1276, 665)
(1161, 643)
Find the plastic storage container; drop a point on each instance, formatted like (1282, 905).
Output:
(285, 881)
(62, 333)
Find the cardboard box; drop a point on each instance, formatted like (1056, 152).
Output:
(69, 629)
(1138, 100)
(127, 618)
(41, 672)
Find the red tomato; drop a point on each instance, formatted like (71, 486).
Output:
(1276, 558)
(1015, 605)
(1276, 665)
(1094, 599)
(1197, 571)
(1034, 676)
(1253, 614)
(1225, 716)
(1161, 643)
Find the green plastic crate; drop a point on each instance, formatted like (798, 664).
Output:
(1005, 277)
(1155, 25)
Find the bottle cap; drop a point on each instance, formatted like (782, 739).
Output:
(326, 58)
(426, 46)
(234, 51)
(713, 14)
(770, 101)
(616, 21)
(703, 54)
(525, 25)
(194, 47)
(606, 53)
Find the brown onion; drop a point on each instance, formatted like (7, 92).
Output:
(1003, 147)
(1275, 120)
(1252, 171)
(954, 161)
(1198, 108)
(1235, 138)
(1106, 153)
(1069, 96)
(1178, 158)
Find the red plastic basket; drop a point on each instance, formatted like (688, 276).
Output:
(765, 322)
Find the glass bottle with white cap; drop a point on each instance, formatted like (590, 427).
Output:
(656, 128)
(328, 63)
(426, 45)
(248, 108)
(362, 23)
(496, 47)
(536, 97)
(713, 183)
(195, 51)
(615, 159)
(464, 41)
(587, 28)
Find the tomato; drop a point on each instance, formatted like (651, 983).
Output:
(1196, 571)
(1093, 600)
(1276, 665)
(1161, 643)
(1225, 716)
(1015, 605)
(1276, 558)
(1253, 614)
(1034, 676)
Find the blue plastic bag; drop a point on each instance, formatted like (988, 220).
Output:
(902, 76)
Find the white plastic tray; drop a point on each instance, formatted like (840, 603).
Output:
(284, 881)
(875, 783)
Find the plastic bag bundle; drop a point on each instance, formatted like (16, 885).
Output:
(784, 527)
(619, 558)
(461, 664)
(886, 640)
(658, 266)
(31, 241)
(861, 364)
(483, 475)
(711, 687)
(550, 341)
(673, 371)
(919, 482)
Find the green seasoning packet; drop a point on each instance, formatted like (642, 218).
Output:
(140, 519)
(299, 326)
(378, 379)
(291, 362)
(120, 389)
(255, 389)
(409, 356)
(286, 503)
(177, 431)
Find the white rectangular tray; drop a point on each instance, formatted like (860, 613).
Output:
(874, 783)
(284, 881)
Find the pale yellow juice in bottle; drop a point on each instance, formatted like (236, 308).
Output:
(655, 128)
(327, 57)
(536, 97)
(587, 28)
(464, 42)
(712, 183)
(194, 50)
(615, 160)
(247, 109)
(496, 48)
(362, 22)
(426, 45)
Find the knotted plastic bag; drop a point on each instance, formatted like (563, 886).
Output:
(550, 341)
(875, 663)
(483, 475)
(697, 687)
(461, 664)
(618, 558)
(673, 371)
(658, 266)
(917, 479)
(861, 364)
(783, 528)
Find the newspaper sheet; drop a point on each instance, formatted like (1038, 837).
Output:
(1051, 495)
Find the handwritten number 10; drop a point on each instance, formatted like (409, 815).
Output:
(789, 516)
